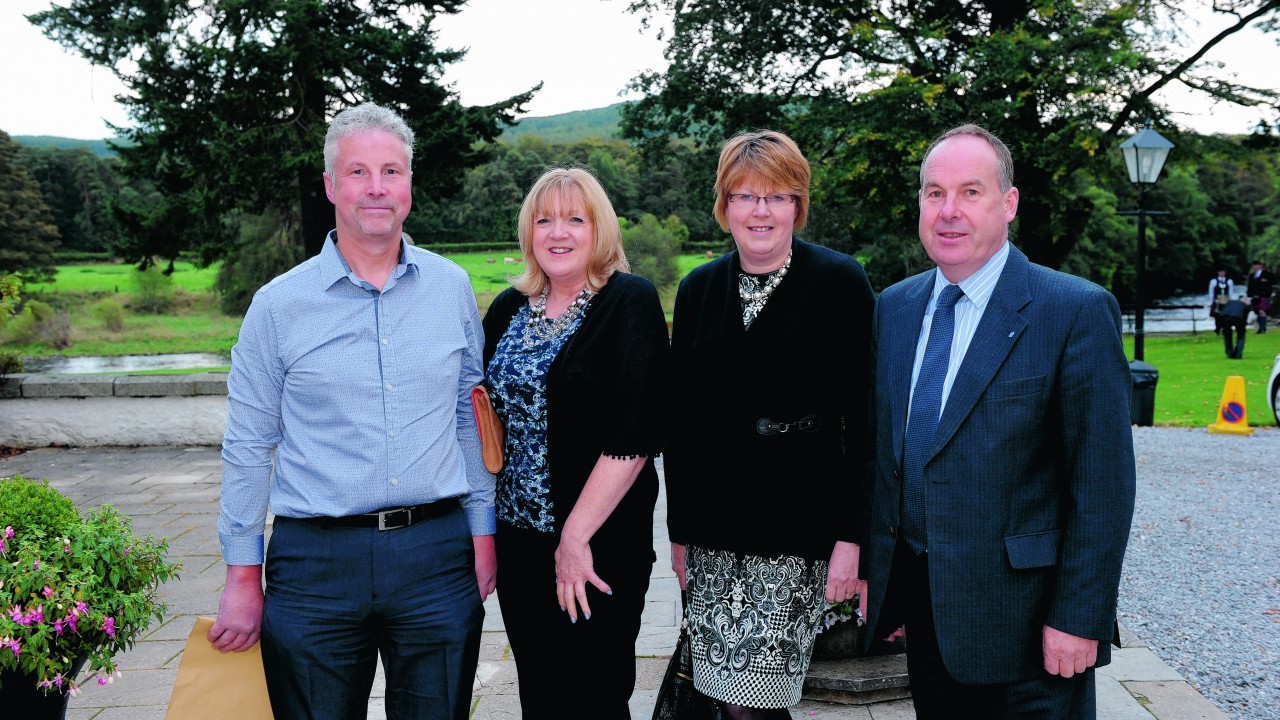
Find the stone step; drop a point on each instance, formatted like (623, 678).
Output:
(858, 681)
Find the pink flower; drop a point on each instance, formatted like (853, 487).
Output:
(57, 626)
(15, 612)
(37, 615)
(80, 608)
(109, 627)
(8, 531)
(47, 592)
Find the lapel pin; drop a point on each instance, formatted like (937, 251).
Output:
(1013, 333)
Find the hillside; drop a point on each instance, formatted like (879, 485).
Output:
(568, 127)
(98, 147)
(565, 127)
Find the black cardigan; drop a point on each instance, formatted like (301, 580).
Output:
(604, 396)
(729, 487)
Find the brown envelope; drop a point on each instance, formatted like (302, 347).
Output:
(216, 686)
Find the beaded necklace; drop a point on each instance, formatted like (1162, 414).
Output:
(540, 330)
(754, 295)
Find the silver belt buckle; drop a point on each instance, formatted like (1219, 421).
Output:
(383, 515)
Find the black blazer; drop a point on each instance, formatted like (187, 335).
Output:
(729, 487)
(1031, 480)
(604, 396)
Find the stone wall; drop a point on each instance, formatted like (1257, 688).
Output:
(106, 410)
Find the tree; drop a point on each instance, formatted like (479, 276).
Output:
(28, 236)
(230, 102)
(864, 86)
(652, 247)
(79, 187)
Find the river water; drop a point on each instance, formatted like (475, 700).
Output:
(124, 363)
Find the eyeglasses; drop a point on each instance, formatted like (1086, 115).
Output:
(771, 200)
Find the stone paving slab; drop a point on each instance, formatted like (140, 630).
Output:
(173, 492)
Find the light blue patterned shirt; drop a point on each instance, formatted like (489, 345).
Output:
(361, 398)
(977, 289)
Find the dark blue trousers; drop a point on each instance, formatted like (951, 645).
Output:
(338, 597)
(579, 671)
(938, 696)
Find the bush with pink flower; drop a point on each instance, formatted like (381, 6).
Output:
(72, 587)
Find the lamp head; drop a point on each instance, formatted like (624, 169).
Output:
(1144, 155)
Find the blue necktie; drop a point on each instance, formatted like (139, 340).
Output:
(922, 425)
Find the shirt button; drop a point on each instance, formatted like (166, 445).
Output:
(388, 386)
(395, 481)
(391, 435)
(385, 341)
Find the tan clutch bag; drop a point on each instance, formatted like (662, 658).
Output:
(490, 428)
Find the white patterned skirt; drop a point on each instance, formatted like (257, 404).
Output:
(752, 621)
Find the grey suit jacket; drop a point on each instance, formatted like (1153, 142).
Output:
(1030, 485)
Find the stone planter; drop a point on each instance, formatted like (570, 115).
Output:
(20, 697)
(841, 641)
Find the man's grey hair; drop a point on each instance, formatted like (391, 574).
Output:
(363, 117)
(1004, 158)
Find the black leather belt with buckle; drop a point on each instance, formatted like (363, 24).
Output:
(392, 518)
(769, 426)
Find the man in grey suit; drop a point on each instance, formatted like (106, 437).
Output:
(1004, 479)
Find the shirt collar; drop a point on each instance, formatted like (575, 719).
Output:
(978, 286)
(335, 267)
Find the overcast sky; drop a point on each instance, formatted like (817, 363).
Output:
(584, 51)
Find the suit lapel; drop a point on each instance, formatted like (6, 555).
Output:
(901, 350)
(997, 333)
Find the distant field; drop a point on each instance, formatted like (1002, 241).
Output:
(112, 278)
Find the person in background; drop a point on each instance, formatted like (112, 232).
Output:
(1221, 290)
(349, 414)
(1233, 318)
(1005, 475)
(769, 412)
(1261, 285)
(576, 354)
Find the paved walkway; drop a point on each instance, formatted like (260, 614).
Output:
(173, 492)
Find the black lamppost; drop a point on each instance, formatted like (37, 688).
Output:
(1144, 154)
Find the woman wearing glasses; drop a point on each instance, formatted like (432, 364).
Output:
(770, 411)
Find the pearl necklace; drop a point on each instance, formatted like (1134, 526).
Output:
(750, 291)
(540, 330)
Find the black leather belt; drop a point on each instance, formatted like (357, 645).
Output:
(769, 426)
(392, 518)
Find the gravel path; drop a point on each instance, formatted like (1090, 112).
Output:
(1201, 581)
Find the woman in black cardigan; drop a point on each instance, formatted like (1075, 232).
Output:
(576, 356)
(770, 366)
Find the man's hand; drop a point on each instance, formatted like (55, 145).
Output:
(677, 564)
(1066, 654)
(486, 565)
(239, 621)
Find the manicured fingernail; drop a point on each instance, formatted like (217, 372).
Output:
(586, 615)
(610, 593)
(573, 620)
(562, 609)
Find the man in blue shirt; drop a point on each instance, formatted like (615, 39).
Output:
(350, 416)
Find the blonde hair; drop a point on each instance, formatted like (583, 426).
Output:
(770, 156)
(571, 187)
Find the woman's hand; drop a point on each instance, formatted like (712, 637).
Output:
(842, 573)
(574, 569)
(677, 564)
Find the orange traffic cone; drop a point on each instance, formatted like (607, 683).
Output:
(1232, 416)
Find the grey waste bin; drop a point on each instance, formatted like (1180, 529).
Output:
(1142, 404)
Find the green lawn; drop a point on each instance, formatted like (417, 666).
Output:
(1193, 371)
(1192, 368)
